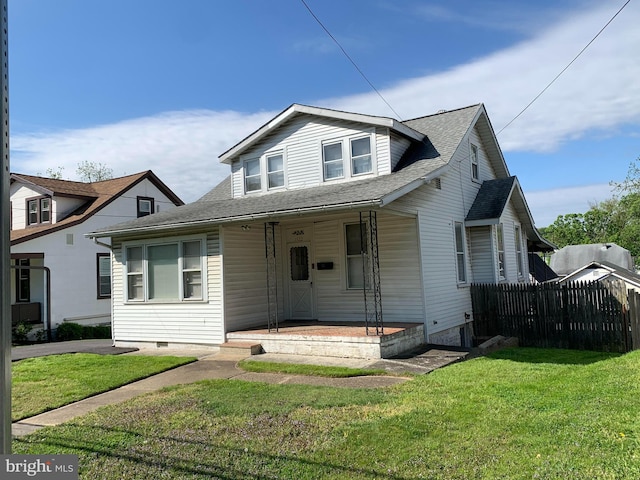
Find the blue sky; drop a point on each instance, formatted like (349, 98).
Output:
(169, 86)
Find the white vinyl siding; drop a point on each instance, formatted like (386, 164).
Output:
(193, 323)
(302, 139)
(399, 271)
(398, 147)
(245, 274)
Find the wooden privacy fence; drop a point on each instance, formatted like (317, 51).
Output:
(585, 316)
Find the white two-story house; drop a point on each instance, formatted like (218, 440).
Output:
(58, 274)
(334, 217)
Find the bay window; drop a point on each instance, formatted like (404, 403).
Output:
(165, 272)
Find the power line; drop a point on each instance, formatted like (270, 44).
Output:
(564, 69)
(350, 59)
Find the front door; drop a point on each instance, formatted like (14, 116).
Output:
(300, 282)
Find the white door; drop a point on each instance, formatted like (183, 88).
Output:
(300, 282)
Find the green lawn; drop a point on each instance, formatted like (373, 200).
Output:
(44, 383)
(304, 369)
(519, 414)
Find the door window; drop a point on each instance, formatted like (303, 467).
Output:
(299, 263)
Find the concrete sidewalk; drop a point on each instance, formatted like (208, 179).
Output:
(222, 366)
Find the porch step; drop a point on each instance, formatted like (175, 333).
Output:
(238, 348)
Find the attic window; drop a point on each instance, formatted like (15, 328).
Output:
(475, 175)
(252, 180)
(332, 160)
(38, 210)
(145, 206)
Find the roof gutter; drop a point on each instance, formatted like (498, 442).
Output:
(238, 218)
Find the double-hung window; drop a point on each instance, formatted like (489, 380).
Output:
(275, 171)
(517, 233)
(357, 256)
(461, 261)
(332, 161)
(23, 281)
(475, 169)
(104, 275)
(38, 210)
(500, 249)
(252, 176)
(361, 156)
(166, 272)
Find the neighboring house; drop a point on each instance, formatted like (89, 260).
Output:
(604, 272)
(573, 257)
(49, 218)
(322, 209)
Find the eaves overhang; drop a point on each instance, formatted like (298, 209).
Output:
(295, 109)
(262, 216)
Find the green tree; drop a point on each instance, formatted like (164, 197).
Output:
(93, 171)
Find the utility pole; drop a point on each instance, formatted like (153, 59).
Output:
(5, 241)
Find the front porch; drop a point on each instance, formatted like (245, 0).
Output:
(333, 339)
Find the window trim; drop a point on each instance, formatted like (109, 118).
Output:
(25, 262)
(245, 176)
(460, 253)
(264, 174)
(500, 253)
(100, 256)
(347, 160)
(144, 273)
(474, 154)
(38, 201)
(352, 157)
(366, 280)
(152, 208)
(517, 238)
(324, 162)
(267, 156)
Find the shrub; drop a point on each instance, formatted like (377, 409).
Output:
(97, 331)
(20, 333)
(69, 331)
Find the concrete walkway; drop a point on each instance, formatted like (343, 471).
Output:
(219, 366)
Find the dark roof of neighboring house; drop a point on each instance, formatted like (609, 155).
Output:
(97, 194)
(539, 269)
(572, 257)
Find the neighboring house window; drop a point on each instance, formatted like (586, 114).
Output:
(355, 248)
(145, 206)
(332, 160)
(252, 181)
(38, 210)
(170, 271)
(361, 156)
(104, 275)
(500, 248)
(519, 257)
(461, 261)
(275, 171)
(474, 163)
(23, 281)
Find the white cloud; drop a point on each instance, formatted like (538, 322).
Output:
(599, 93)
(182, 148)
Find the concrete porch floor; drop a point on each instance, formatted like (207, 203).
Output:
(333, 339)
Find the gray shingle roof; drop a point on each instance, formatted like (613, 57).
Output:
(491, 199)
(444, 132)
